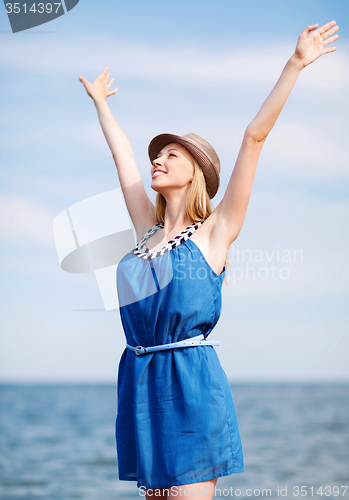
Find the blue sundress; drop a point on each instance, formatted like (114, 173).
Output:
(176, 421)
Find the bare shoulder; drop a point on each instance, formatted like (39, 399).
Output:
(213, 240)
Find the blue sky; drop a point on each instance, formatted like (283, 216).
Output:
(181, 67)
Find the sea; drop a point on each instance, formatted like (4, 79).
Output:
(58, 442)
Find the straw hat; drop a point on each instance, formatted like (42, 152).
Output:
(202, 151)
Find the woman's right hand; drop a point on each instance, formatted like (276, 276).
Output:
(99, 89)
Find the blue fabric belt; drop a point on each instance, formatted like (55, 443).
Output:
(199, 340)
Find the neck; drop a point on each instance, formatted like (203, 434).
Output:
(176, 218)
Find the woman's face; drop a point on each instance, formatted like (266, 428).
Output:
(175, 161)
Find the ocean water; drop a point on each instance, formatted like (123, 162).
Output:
(58, 442)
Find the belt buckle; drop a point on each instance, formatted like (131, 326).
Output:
(140, 347)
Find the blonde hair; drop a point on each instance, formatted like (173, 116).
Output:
(199, 206)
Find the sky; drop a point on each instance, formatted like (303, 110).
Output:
(180, 67)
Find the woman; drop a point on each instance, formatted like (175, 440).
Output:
(176, 429)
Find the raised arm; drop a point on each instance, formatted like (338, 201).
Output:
(139, 206)
(230, 213)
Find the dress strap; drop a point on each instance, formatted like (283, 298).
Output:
(143, 251)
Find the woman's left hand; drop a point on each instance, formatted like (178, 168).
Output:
(310, 46)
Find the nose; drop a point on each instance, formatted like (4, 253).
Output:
(157, 162)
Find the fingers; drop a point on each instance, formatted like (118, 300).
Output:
(326, 27)
(330, 40)
(325, 31)
(83, 80)
(330, 32)
(332, 49)
(110, 84)
(103, 74)
(309, 28)
(104, 77)
(112, 92)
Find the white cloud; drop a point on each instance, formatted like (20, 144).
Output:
(312, 232)
(307, 148)
(25, 221)
(314, 142)
(255, 65)
(287, 350)
(293, 148)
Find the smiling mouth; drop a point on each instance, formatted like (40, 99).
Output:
(158, 173)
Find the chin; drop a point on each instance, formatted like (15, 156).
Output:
(155, 188)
